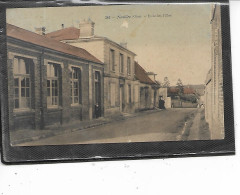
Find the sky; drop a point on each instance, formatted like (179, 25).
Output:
(171, 40)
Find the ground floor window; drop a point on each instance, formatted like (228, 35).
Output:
(53, 73)
(75, 83)
(144, 95)
(22, 83)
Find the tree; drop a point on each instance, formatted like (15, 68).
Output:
(166, 82)
(180, 87)
(180, 90)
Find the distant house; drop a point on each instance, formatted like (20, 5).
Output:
(174, 91)
(188, 91)
(148, 89)
(120, 86)
(50, 82)
(188, 99)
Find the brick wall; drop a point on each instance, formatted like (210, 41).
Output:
(40, 115)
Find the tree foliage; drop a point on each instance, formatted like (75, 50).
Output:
(180, 87)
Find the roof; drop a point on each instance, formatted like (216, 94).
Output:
(141, 75)
(213, 14)
(41, 40)
(70, 33)
(188, 91)
(175, 90)
(73, 33)
(172, 91)
(151, 73)
(209, 77)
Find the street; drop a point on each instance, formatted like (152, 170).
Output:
(163, 125)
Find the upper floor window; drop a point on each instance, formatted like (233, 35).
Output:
(121, 62)
(53, 73)
(75, 81)
(129, 65)
(22, 83)
(112, 59)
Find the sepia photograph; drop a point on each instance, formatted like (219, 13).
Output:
(114, 74)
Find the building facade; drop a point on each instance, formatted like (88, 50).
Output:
(148, 89)
(214, 100)
(50, 82)
(120, 86)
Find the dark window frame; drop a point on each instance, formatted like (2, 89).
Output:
(121, 63)
(112, 59)
(75, 80)
(128, 65)
(22, 83)
(53, 85)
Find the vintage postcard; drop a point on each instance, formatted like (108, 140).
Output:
(112, 74)
(116, 81)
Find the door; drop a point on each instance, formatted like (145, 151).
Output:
(97, 87)
(121, 98)
(155, 98)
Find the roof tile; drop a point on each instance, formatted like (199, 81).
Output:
(70, 33)
(141, 75)
(41, 40)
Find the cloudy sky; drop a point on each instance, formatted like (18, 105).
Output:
(171, 40)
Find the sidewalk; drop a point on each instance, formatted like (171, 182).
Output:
(196, 127)
(27, 135)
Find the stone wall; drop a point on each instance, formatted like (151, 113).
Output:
(114, 79)
(214, 100)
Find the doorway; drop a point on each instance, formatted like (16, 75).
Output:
(97, 88)
(121, 98)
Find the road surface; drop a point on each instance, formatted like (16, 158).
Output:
(163, 125)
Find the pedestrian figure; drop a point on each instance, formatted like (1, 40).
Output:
(161, 103)
(97, 111)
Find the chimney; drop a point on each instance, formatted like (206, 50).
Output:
(152, 76)
(40, 30)
(124, 44)
(86, 28)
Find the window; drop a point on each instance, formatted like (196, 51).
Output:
(22, 85)
(128, 65)
(53, 72)
(75, 81)
(112, 94)
(121, 65)
(112, 59)
(129, 94)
